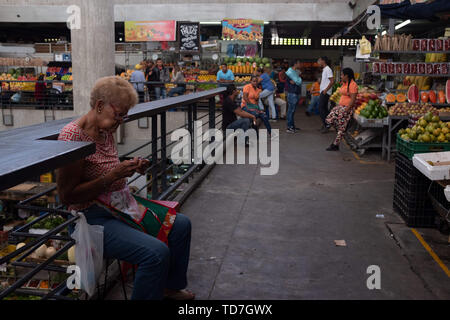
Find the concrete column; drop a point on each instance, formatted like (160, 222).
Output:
(92, 49)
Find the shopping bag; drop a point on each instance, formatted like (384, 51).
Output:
(293, 75)
(157, 220)
(88, 252)
(366, 47)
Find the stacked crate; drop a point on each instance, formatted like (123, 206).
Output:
(411, 199)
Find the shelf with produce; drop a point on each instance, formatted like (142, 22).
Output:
(409, 52)
(411, 74)
(440, 105)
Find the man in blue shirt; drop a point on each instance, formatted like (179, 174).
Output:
(268, 91)
(138, 79)
(293, 88)
(224, 76)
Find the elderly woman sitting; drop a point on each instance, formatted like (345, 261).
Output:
(102, 177)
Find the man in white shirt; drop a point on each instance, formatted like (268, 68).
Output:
(326, 85)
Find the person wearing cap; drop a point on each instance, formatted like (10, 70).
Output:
(138, 79)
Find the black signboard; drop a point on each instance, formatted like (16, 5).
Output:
(189, 36)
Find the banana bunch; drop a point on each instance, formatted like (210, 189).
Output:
(435, 57)
(336, 96)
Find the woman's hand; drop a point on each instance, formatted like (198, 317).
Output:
(143, 165)
(124, 170)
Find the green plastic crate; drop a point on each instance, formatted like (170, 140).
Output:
(409, 148)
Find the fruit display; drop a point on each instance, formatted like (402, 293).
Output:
(126, 75)
(14, 75)
(336, 96)
(447, 91)
(247, 65)
(428, 129)
(372, 110)
(406, 109)
(393, 98)
(241, 79)
(413, 94)
(47, 223)
(422, 82)
(206, 78)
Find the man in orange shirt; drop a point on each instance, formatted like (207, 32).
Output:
(315, 95)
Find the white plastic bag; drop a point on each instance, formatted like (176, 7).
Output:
(88, 252)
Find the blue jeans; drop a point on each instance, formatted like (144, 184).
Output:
(292, 100)
(314, 105)
(159, 266)
(270, 97)
(263, 117)
(242, 123)
(160, 92)
(178, 90)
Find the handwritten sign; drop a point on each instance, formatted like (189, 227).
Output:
(189, 35)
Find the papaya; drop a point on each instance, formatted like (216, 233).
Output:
(432, 96)
(424, 97)
(401, 97)
(390, 98)
(441, 95)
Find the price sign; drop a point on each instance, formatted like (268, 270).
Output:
(189, 36)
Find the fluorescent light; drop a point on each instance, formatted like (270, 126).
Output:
(384, 32)
(266, 22)
(211, 22)
(401, 25)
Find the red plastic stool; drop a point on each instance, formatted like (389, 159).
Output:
(127, 266)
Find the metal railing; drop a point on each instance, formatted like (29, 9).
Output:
(58, 95)
(161, 187)
(36, 94)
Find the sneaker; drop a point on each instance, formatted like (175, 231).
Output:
(297, 129)
(333, 147)
(308, 113)
(290, 130)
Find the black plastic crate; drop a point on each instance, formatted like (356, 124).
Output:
(406, 167)
(409, 178)
(415, 195)
(416, 212)
(414, 185)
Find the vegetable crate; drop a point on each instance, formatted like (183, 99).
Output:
(411, 199)
(409, 148)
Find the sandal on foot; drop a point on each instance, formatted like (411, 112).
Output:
(179, 295)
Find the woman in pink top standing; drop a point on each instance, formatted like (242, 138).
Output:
(101, 178)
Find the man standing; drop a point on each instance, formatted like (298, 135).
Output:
(326, 84)
(268, 92)
(149, 65)
(160, 74)
(293, 88)
(137, 79)
(224, 76)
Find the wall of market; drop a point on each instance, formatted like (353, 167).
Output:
(138, 10)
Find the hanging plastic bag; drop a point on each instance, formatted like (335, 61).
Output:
(366, 47)
(88, 252)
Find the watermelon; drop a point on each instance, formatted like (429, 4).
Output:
(251, 60)
(447, 91)
(265, 60)
(413, 94)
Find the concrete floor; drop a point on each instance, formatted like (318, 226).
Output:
(272, 237)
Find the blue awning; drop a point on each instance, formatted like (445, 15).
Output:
(406, 10)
